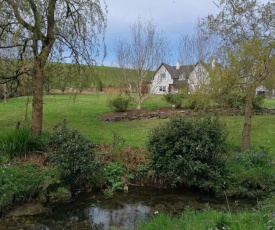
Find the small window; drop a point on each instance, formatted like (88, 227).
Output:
(162, 88)
(162, 76)
(182, 76)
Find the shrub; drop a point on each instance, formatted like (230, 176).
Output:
(189, 151)
(119, 104)
(237, 100)
(20, 142)
(174, 99)
(74, 154)
(258, 102)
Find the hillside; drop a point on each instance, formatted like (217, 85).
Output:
(63, 76)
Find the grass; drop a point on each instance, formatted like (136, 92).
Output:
(269, 103)
(114, 76)
(109, 76)
(211, 220)
(83, 113)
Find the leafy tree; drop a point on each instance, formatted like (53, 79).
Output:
(246, 29)
(143, 54)
(35, 31)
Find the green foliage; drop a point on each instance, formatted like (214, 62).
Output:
(258, 102)
(119, 103)
(252, 173)
(51, 182)
(116, 175)
(73, 154)
(236, 99)
(20, 142)
(18, 183)
(174, 99)
(189, 151)
(210, 220)
(99, 85)
(199, 100)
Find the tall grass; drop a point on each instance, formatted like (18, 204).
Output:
(19, 143)
(210, 220)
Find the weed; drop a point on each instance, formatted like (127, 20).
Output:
(117, 176)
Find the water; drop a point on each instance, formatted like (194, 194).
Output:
(124, 210)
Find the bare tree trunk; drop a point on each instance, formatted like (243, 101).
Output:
(138, 105)
(37, 103)
(247, 120)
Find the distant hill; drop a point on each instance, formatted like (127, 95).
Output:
(65, 77)
(72, 76)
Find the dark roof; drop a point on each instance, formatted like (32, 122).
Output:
(184, 69)
(175, 73)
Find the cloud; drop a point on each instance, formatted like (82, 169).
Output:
(173, 18)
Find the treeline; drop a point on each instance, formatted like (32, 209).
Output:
(66, 78)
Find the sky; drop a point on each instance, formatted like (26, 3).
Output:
(173, 18)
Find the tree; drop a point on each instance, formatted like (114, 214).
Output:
(35, 31)
(197, 46)
(246, 29)
(143, 54)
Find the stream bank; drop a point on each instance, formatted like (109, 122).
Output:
(123, 210)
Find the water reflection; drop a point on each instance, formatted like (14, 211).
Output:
(94, 211)
(125, 217)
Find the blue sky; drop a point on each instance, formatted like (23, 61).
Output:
(173, 18)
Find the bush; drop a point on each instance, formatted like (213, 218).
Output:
(258, 102)
(174, 99)
(119, 104)
(20, 142)
(74, 154)
(189, 151)
(237, 100)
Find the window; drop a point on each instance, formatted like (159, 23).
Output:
(162, 76)
(162, 88)
(182, 77)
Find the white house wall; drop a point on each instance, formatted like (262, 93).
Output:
(198, 77)
(158, 82)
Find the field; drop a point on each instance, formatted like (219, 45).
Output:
(83, 112)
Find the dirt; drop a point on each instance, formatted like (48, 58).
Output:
(135, 112)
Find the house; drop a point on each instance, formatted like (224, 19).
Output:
(170, 79)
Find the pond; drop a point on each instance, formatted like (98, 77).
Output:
(123, 210)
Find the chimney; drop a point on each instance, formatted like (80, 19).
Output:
(178, 65)
(213, 63)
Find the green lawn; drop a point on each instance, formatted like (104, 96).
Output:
(84, 113)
